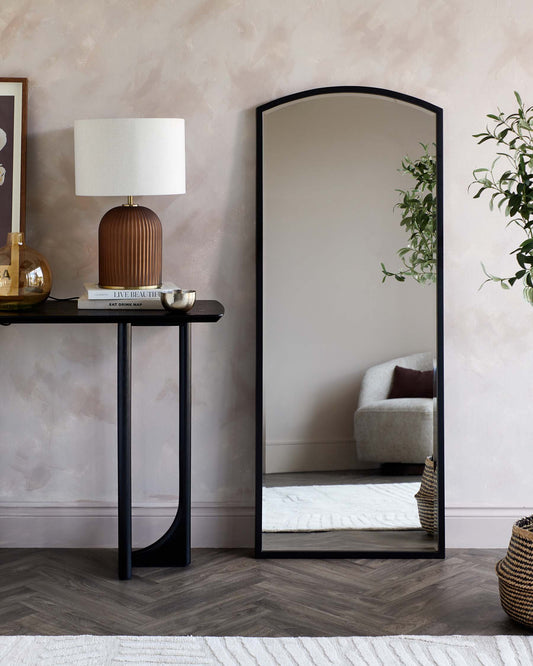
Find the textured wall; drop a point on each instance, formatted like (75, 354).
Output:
(212, 62)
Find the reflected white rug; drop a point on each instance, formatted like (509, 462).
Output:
(237, 651)
(376, 506)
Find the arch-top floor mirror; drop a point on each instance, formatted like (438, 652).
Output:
(349, 326)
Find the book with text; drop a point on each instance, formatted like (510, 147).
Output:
(94, 292)
(85, 303)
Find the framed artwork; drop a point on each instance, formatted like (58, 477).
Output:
(13, 106)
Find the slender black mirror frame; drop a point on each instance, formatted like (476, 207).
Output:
(260, 111)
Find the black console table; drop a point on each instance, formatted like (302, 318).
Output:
(174, 547)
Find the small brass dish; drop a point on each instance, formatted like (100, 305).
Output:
(178, 300)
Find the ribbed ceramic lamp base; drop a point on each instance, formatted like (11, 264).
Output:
(130, 248)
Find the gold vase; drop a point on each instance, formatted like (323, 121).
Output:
(25, 276)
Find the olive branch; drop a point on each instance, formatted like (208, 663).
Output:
(511, 187)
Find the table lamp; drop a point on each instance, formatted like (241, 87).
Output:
(129, 157)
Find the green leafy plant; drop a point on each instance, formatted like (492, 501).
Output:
(419, 218)
(509, 181)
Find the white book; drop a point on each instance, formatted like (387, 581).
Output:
(95, 292)
(85, 303)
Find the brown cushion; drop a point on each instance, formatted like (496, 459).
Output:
(407, 383)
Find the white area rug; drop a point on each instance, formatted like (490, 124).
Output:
(357, 651)
(376, 506)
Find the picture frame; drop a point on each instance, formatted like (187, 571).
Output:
(13, 112)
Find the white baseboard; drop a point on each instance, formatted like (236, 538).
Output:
(481, 527)
(59, 525)
(214, 525)
(284, 457)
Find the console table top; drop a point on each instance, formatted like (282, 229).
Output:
(66, 312)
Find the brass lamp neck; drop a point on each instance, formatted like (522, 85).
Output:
(130, 201)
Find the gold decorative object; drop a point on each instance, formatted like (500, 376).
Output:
(25, 276)
(178, 299)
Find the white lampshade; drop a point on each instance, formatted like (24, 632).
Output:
(129, 156)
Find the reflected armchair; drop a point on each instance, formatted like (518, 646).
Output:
(397, 430)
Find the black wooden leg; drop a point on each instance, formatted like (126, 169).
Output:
(173, 549)
(124, 449)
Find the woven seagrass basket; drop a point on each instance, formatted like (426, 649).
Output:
(426, 497)
(515, 574)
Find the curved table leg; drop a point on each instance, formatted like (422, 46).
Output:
(173, 549)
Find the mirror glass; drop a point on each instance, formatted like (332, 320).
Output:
(347, 324)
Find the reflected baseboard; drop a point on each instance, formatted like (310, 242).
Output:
(285, 457)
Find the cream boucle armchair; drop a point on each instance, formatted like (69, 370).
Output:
(398, 430)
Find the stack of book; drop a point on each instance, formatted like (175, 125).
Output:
(96, 298)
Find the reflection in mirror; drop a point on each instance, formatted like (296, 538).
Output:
(348, 333)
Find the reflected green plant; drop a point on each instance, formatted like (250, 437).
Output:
(419, 219)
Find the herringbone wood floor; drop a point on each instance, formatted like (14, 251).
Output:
(228, 592)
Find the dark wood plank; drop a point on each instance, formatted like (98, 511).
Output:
(351, 540)
(228, 592)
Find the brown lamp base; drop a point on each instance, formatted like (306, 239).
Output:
(130, 248)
